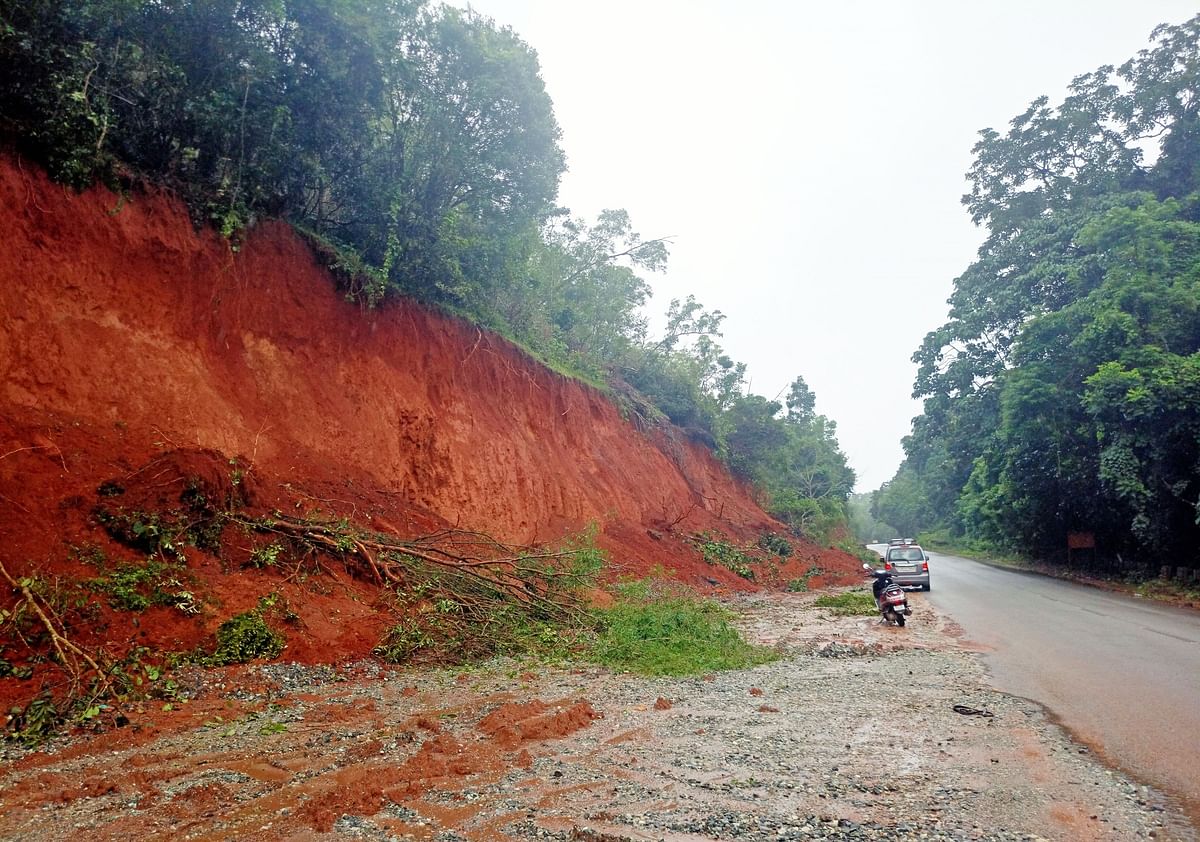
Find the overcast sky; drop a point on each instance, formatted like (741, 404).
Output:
(808, 160)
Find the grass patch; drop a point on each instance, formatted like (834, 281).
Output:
(655, 632)
(1169, 591)
(848, 602)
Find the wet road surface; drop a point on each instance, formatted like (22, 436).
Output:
(1122, 673)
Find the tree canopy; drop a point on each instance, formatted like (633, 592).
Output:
(422, 138)
(1060, 395)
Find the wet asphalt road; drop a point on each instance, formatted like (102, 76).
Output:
(1122, 673)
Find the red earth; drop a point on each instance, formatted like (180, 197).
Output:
(147, 367)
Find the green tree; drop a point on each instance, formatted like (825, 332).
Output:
(1082, 298)
(801, 402)
(901, 502)
(420, 138)
(581, 299)
(467, 159)
(864, 525)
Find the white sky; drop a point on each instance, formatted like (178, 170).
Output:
(809, 161)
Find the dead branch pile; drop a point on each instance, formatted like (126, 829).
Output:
(463, 593)
(541, 579)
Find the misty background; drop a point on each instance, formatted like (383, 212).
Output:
(808, 161)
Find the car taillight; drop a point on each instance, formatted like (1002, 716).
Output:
(925, 566)
(887, 565)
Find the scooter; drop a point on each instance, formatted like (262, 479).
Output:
(890, 598)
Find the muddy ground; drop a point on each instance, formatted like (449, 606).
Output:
(851, 734)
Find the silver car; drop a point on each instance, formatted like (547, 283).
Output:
(909, 565)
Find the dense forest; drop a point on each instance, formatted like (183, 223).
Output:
(416, 148)
(1062, 395)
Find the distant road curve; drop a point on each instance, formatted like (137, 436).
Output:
(1122, 673)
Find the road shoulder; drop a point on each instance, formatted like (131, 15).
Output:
(852, 734)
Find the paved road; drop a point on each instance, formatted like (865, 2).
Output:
(1121, 673)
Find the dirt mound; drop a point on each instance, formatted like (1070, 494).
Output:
(513, 723)
(175, 497)
(193, 477)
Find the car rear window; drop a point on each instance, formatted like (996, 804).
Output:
(906, 554)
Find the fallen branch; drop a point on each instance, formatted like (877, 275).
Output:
(671, 524)
(527, 577)
(69, 654)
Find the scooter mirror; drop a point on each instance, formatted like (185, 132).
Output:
(866, 566)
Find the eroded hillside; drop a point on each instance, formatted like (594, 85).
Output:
(143, 362)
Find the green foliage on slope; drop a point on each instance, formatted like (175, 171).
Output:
(422, 138)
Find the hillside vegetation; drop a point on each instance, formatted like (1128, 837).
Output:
(416, 147)
(1062, 395)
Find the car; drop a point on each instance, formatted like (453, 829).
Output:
(908, 564)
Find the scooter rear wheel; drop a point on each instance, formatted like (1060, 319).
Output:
(899, 619)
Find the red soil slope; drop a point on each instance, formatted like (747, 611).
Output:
(126, 336)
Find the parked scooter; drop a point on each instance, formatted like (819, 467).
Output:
(890, 598)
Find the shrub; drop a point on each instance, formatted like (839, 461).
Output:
(36, 722)
(724, 554)
(801, 584)
(266, 556)
(132, 587)
(244, 637)
(777, 544)
(149, 532)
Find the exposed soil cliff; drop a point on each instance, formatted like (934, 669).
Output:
(128, 338)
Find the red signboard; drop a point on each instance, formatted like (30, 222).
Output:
(1081, 541)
